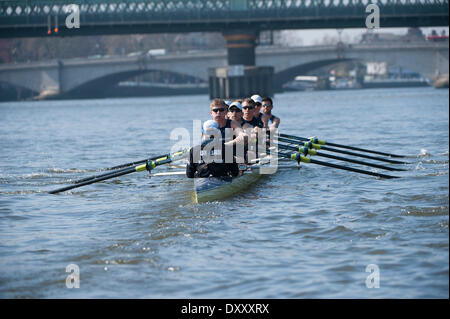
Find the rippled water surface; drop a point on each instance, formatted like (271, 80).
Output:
(307, 233)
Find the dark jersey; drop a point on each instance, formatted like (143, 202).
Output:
(255, 122)
(203, 169)
(222, 129)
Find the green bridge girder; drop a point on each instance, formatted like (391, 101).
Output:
(31, 18)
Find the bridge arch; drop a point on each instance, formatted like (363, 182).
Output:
(289, 74)
(422, 57)
(11, 92)
(109, 82)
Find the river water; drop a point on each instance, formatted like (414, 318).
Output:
(316, 232)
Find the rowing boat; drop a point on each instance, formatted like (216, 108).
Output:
(210, 189)
(217, 188)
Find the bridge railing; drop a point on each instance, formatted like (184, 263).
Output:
(28, 17)
(198, 9)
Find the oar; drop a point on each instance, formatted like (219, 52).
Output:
(170, 173)
(305, 151)
(100, 176)
(315, 140)
(155, 158)
(299, 158)
(311, 145)
(137, 162)
(147, 166)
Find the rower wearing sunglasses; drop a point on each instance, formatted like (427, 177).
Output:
(235, 112)
(218, 110)
(261, 117)
(267, 106)
(252, 126)
(248, 109)
(214, 157)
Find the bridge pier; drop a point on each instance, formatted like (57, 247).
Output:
(241, 78)
(241, 47)
(236, 82)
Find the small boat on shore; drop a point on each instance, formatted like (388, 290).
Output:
(302, 83)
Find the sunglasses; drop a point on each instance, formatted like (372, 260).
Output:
(266, 105)
(218, 110)
(234, 110)
(248, 107)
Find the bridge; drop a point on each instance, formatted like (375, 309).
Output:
(84, 75)
(31, 18)
(239, 21)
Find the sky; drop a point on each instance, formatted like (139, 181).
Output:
(312, 37)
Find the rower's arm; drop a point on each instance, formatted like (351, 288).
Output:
(239, 132)
(276, 123)
(191, 167)
(265, 120)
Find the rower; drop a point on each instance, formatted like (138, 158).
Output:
(214, 131)
(258, 103)
(228, 103)
(235, 112)
(248, 109)
(267, 106)
(251, 125)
